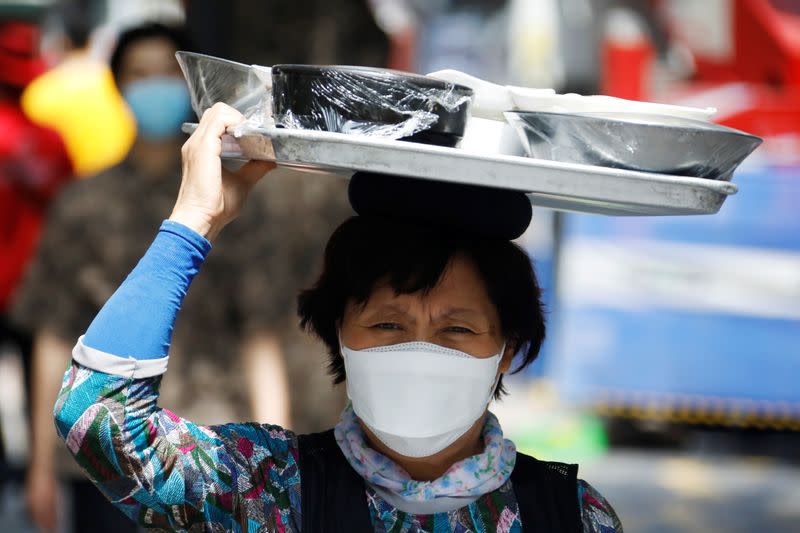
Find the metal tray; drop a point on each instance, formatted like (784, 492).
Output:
(647, 143)
(550, 184)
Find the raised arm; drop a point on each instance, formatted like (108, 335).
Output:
(161, 470)
(210, 195)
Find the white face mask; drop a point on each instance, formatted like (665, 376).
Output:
(418, 397)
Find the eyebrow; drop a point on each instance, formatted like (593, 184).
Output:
(450, 312)
(393, 308)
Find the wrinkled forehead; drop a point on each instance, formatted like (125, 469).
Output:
(459, 290)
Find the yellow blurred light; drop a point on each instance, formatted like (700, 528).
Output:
(80, 100)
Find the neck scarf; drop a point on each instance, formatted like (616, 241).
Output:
(474, 476)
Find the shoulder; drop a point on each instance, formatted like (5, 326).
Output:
(597, 515)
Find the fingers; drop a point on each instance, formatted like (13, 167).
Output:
(217, 119)
(41, 495)
(213, 124)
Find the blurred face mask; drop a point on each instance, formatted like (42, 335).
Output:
(160, 106)
(418, 397)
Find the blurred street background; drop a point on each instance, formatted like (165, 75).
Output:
(671, 371)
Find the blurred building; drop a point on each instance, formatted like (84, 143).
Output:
(696, 319)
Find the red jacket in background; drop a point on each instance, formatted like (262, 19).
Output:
(33, 165)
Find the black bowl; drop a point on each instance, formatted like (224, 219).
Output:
(363, 99)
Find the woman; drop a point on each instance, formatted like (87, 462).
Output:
(421, 325)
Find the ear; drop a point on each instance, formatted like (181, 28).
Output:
(508, 357)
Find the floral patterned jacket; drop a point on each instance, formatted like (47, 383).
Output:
(169, 474)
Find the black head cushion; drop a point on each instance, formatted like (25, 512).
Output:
(473, 209)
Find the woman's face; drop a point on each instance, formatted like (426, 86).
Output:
(457, 313)
(149, 58)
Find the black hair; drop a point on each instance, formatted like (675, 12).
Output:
(365, 251)
(77, 19)
(152, 30)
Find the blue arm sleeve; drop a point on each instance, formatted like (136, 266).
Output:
(137, 321)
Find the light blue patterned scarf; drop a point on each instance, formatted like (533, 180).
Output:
(470, 477)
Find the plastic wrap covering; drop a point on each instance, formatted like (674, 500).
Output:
(352, 100)
(370, 102)
(661, 144)
(245, 88)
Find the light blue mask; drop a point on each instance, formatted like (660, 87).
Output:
(160, 106)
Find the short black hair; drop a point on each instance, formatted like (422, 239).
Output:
(77, 19)
(365, 251)
(151, 30)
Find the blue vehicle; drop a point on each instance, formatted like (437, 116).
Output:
(687, 319)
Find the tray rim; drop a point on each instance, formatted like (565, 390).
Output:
(717, 186)
(555, 185)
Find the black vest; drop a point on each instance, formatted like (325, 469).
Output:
(334, 496)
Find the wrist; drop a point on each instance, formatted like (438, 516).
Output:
(201, 224)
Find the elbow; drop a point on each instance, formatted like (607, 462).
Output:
(64, 421)
(67, 409)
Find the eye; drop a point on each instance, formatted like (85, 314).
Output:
(459, 329)
(387, 326)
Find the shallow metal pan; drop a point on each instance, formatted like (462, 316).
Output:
(555, 185)
(646, 143)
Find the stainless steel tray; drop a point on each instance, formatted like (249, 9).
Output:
(550, 184)
(665, 145)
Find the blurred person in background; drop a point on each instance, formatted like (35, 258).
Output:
(316, 32)
(96, 231)
(431, 35)
(33, 165)
(80, 85)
